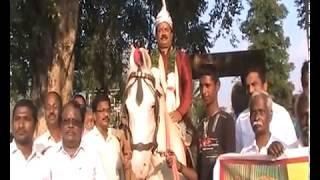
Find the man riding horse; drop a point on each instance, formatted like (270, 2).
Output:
(174, 71)
(156, 103)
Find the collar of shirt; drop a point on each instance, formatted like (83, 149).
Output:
(50, 138)
(97, 133)
(264, 150)
(14, 149)
(45, 142)
(47, 138)
(207, 118)
(60, 149)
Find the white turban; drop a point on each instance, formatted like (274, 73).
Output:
(163, 15)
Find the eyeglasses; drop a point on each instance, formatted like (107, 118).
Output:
(74, 122)
(48, 107)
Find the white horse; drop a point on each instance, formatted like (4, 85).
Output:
(151, 129)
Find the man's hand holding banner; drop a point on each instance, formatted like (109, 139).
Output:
(292, 165)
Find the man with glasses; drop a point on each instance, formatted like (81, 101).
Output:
(102, 140)
(72, 158)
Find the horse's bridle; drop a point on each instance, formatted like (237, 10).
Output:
(139, 75)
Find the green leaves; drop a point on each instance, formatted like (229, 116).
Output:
(100, 45)
(222, 16)
(303, 11)
(105, 31)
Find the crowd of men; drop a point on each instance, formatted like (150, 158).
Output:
(79, 144)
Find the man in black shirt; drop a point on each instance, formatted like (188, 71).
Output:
(216, 132)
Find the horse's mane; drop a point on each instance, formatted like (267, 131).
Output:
(146, 61)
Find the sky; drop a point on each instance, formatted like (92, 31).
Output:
(298, 50)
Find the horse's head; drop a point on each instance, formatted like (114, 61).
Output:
(141, 103)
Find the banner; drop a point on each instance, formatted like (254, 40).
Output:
(292, 165)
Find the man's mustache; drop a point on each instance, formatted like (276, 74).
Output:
(164, 37)
(106, 118)
(52, 114)
(257, 123)
(21, 131)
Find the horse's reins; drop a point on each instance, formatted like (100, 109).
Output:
(139, 75)
(152, 145)
(174, 163)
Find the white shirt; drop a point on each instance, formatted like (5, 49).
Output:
(281, 127)
(32, 168)
(44, 142)
(254, 149)
(84, 165)
(108, 150)
(297, 144)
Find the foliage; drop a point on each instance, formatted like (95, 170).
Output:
(100, 45)
(197, 110)
(264, 30)
(29, 23)
(222, 17)
(106, 29)
(197, 107)
(302, 8)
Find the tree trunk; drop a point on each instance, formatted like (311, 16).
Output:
(60, 74)
(40, 78)
(53, 70)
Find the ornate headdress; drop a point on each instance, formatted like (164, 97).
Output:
(163, 15)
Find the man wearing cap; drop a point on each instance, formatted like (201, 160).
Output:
(174, 72)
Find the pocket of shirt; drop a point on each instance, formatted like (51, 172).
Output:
(85, 172)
